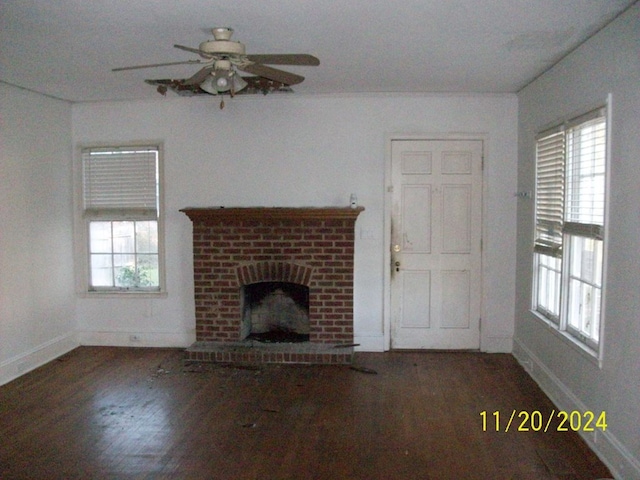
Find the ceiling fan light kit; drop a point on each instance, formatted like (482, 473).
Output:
(223, 81)
(223, 58)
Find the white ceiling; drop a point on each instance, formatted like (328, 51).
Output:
(67, 48)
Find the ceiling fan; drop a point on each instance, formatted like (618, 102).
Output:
(222, 59)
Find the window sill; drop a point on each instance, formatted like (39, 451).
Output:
(586, 352)
(123, 294)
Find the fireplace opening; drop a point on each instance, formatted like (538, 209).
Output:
(275, 312)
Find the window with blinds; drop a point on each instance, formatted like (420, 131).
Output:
(120, 180)
(550, 170)
(570, 206)
(586, 177)
(121, 203)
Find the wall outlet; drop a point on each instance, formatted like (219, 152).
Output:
(135, 338)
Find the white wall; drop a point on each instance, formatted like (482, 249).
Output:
(37, 299)
(607, 63)
(293, 150)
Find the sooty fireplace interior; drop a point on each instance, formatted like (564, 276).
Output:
(276, 312)
(283, 276)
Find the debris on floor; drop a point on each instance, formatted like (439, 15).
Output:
(360, 369)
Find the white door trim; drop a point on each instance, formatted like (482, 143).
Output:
(387, 217)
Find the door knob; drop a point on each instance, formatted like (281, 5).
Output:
(396, 248)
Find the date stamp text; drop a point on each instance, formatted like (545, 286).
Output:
(537, 421)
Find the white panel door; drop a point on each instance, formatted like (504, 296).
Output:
(436, 229)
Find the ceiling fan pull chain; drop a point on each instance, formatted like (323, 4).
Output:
(221, 104)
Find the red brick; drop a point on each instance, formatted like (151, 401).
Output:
(314, 252)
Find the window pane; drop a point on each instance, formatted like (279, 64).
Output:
(123, 237)
(125, 270)
(586, 259)
(100, 237)
(585, 286)
(134, 260)
(584, 309)
(147, 237)
(101, 271)
(595, 320)
(148, 272)
(548, 286)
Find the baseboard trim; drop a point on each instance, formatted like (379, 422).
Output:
(135, 339)
(608, 448)
(18, 365)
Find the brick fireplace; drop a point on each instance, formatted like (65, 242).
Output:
(234, 248)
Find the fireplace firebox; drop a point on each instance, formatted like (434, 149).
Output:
(278, 271)
(276, 312)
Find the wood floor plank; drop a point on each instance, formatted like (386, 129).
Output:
(124, 413)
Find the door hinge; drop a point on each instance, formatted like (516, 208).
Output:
(482, 163)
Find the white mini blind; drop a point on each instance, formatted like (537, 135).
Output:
(120, 180)
(550, 164)
(586, 154)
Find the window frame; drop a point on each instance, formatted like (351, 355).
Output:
(571, 230)
(83, 220)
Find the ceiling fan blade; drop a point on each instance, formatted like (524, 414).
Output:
(154, 65)
(193, 50)
(199, 76)
(286, 59)
(281, 76)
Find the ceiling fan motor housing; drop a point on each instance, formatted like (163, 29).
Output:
(222, 47)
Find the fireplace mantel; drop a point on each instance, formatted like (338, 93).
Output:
(208, 214)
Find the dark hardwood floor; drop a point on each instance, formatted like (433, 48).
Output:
(122, 413)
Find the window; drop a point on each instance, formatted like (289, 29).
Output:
(121, 210)
(569, 226)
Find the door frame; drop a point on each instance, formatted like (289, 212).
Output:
(386, 307)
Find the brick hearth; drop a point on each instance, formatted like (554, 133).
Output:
(233, 247)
